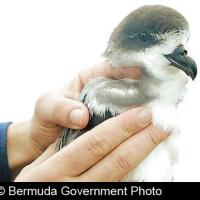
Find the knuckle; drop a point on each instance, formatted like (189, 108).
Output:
(121, 162)
(127, 129)
(155, 136)
(58, 108)
(43, 98)
(98, 146)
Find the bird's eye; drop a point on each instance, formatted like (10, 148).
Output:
(144, 36)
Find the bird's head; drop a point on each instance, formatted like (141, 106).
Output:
(153, 37)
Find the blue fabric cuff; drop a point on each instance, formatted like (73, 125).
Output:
(4, 167)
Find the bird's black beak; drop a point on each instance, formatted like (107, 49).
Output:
(180, 60)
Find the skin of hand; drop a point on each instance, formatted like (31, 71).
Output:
(53, 111)
(106, 153)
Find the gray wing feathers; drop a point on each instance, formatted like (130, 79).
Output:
(105, 98)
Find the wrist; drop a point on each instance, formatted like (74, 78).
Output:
(19, 147)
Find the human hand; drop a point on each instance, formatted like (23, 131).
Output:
(53, 111)
(106, 153)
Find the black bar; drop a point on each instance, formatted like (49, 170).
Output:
(103, 190)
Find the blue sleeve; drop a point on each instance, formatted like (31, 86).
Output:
(4, 168)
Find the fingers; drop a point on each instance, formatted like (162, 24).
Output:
(91, 147)
(50, 151)
(126, 157)
(102, 70)
(55, 108)
(106, 153)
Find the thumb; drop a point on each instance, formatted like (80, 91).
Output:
(56, 109)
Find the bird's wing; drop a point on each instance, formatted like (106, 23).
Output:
(104, 98)
(68, 135)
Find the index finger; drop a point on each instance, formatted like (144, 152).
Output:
(126, 157)
(103, 69)
(91, 147)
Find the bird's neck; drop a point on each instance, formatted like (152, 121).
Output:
(170, 91)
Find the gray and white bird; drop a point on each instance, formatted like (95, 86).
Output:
(152, 37)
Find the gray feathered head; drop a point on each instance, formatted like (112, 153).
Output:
(152, 37)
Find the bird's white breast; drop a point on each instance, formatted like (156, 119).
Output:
(163, 104)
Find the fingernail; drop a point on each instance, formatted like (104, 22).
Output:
(145, 116)
(76, 117)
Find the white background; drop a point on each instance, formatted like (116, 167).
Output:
(44, 43)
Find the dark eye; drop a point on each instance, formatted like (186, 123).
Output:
(144, 36)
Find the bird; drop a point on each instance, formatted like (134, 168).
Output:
(153, 37)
